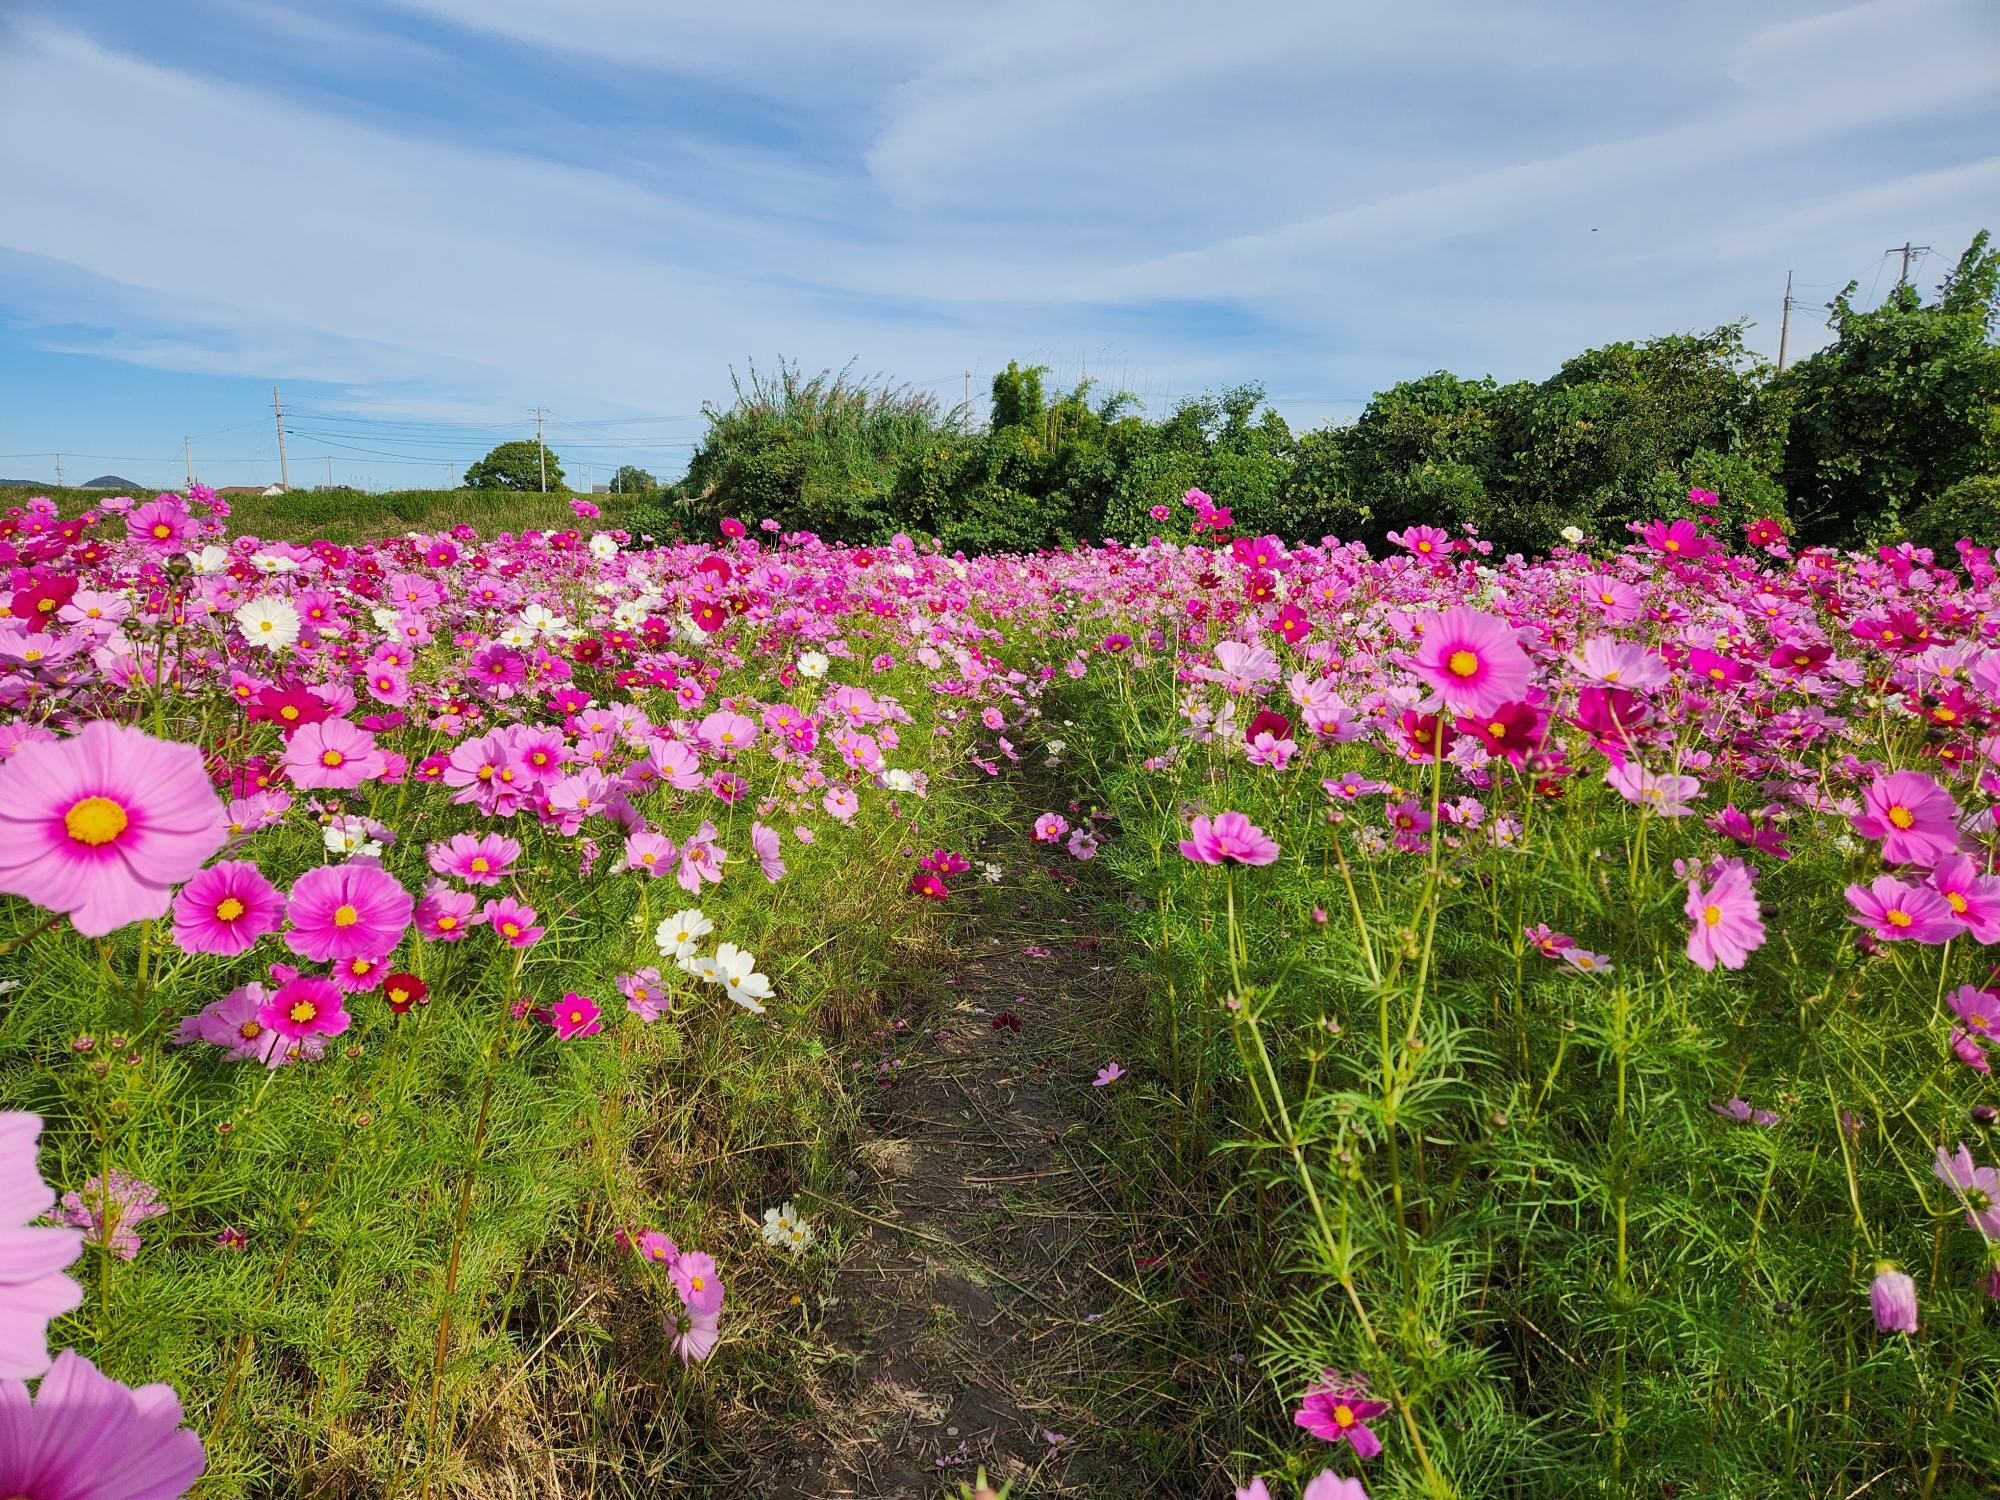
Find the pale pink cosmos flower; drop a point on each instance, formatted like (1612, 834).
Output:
(701, 861)
(33, 1289)
(1977, 1187)
(654, 853)
(1625, 664)
(1228, 836)
(1725, 925)
(764, 843)
(84, 1436)
(103, 825)
(110, 1209)
(1669, 795)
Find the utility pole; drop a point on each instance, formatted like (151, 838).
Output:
(59, 483)
(329, 471)
(284, 473)
(968, 387)
(1906, 250)
(188, 453)
(1785, 324)
(541, 452)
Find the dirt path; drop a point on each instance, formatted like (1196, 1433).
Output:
(957, 1329)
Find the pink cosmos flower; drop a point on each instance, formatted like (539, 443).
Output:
(305, 1006)
(1666, 794)
(1108, 1074)
(1327, 1485)
(476, 859)
(770, 859)
(512, 921)
(333, 754)
(701, 861)
(33, 1289)
(1228, 836)
(355, 910)
(1338, 1408)
(696, 1281)
(109, 1211)
(1472, 660)
(1914, 817)
(234, 1024)
(695, 1334)
(1724, 924)
(1977, 1187)
(1896, 912)
(654, 853)
(226, 908)
(575, 1015)
(103, 825)
(1973, 898)
(1050, 827)
(84, 1436)
(445, 915)
(645, 993)
(1893, 1296)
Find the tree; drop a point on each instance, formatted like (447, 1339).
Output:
(1903, 404)
(514, 466)
(632, 480)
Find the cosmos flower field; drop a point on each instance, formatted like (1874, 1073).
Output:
(1568, 981)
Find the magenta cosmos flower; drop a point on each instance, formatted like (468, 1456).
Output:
(355, 910)
(1227, 836)
(1472, 660)
(1912, 815)
(226, 908)
(84, 1436)
(333, 754)
(306, 1006)
(1725, 926)
(1338, 1409)
(33, 1289)
(575, 1015)
(1899, 913)
(103, 825)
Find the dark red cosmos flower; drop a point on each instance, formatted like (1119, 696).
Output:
(710, 616)
(1006, 1021)
(930, 885)
(1513, 730)
(405, 990)
(1276, 725)
(289, 707)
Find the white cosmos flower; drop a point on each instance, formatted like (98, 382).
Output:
(385, 619)
(736, 970)
(630, 615)
(271, 563)
(210, 559)
(1572, 534)
(990, 872)
(680, 934)
(812, 664)
(349, 836)
(602, 547)
(785, 1228)
(704, 967)
(517, 636)
(899, 781)
(270, 623)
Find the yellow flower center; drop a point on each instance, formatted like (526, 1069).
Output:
(1463, 663)
(511, 929)
(1902, 817)
(288, 712)
(1898, 918)
(447, 923)
(1712, 915)
(163, 531)
(1343, 1415)
(95, 820)
(302, 1011)
(250, 1030)
(332, 758)
(479, 864)
(228, 909)
(362, 966)
(1957, 901)
(1672, 545)
(345, 916)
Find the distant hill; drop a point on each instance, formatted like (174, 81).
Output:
(109, 482)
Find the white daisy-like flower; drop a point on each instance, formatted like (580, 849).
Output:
(704, 967)
(779, 1223)
(990, 872)
(209, 560)
(679, 935)
(271, 624)
(271, 564)
(1572, 534)
(517, 636)
(812, 664)
(899, 781)
(736, 971)
(602, 547)
(349, 836)
(385, 619)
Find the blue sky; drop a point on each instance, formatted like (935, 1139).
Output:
(422, 218)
